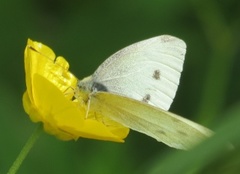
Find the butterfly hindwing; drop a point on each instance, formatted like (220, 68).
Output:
(164, 126)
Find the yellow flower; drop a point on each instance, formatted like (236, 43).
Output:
(49, 99)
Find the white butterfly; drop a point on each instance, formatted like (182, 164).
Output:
(136, 85)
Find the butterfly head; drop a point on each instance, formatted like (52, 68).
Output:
(87, 86)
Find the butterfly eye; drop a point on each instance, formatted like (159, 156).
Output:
(98, 87)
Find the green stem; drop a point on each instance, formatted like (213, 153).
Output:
(25, 150)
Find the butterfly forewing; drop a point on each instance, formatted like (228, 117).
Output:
(147, 71)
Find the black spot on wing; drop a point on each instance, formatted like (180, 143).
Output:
(182, 133)
(146, 98)
(162, 132)
(98, 87)
(156, 74)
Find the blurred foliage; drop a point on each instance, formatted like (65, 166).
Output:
(86, 33)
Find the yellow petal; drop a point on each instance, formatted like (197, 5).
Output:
(51, 104)
(40, 59)
(64, 116)
(48, 99)
(30, 108)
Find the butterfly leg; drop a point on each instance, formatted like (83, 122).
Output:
(88, 106)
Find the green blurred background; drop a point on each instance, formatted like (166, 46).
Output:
(86, 33)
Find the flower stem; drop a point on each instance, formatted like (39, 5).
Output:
(25, 150)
